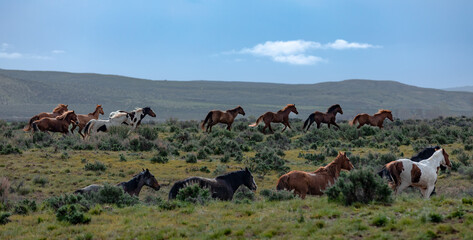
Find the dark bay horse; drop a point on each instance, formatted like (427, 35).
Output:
(376, 120)
(282, 116)
(57, 124)
(222, 187)
(57, 111)
(84, 119)
(314, 183)
(217, 116)
(320, 117)
(132, 187)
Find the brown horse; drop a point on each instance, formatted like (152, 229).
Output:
(282, 116)
(57, 111)
(314, 183)
(320, 117)
(84, 119)
(57, 124)
(376, 120)
(217, 116)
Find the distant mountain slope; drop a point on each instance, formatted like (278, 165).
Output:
(461, 89)
(25, 93)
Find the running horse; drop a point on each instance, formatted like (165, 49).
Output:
(84, 119)
(57, 111)
(217, 116)
(282, 116)
(423, 175)
(132, 187)
(57, 124)
(222, 187)
(376, 120)
(320, 117)
(135, 116)
(314, 183)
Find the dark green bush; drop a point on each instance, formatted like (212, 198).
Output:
(40, 180)
(158, 158)
(314, 158)
(267, 160)
(56, 202)
(73, 214)
(141, 144)
(272, 195)
(225, 158)
(243, 195)
(96, 166)
(9, 149)
(194, 194)
(25, 206)
(191, 158)
(435, 217)
(380, 220)
(4, 218)
(148, 133)
(112, 195)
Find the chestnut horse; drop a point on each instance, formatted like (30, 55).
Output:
(320, 117)
(376, 120)
(57, 111)
(314, 183)
(217, 116)
(57, 124)
(84, 119)
(282, 116)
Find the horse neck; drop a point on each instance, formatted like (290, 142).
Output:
(95, 114)
(233, 112)
(333, 169)
(133, 186)
(234, 182)
(435, 160)
(285, 112)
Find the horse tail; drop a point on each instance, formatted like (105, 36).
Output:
(355, 120)
(310, 118)
(384, 173)
(205, 121)
(87, 128)
(257, 121)
(184, 183)
(283, 182)
(394, 170)
(30, 123)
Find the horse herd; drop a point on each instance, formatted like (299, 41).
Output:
(420, 171)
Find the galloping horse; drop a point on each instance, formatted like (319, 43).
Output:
(57, 111)
(320, 117)
(217, 116)
(84, 119)
(222, 187)
(57, 124)
(314, 183)
(423, 175)
(132, 187)
(135, 116)
(282, 116)
(99, 125)
(376, 120)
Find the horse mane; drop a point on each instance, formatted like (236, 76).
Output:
(59, 107)
(330, 168)
(64, 115)
(96, 108)
(287, 106)
(333, 107)
(230, 175)
(383, 111)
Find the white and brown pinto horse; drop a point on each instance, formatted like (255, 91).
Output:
(100, 125)
(423, 175)
(135, 116)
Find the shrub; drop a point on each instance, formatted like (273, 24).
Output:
(225, 158)
(221, 169)
(40, 180)
(73, 214)
(202, 154)
(110, 144)
(25, 206)
(204, 169)
(272, 195)
(359, 186)
(158, 158)
(112, 195)
(380, 220)
(386, 158)
(191, 158)
(467, 171)
(194, 194)
(4, 218)
(435, 217)
(314, 158)
(56, 202)
(148, 133)
(243, 195)
(265, 161)
(96, 166)
(9, 149)
(463, 158)
(141, 144)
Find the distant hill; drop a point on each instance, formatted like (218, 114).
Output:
(25, 93)
(461, 89)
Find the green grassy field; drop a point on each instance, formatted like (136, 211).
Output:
(49, 166)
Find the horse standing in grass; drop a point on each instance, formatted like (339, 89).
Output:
(57, 111)
(57, 124)
(376, 120)
(222, 187)
(314, 183)
(282, 116)
(132, 187)
(423, 175)
(217, 116)
(84, 119)
(320, 117)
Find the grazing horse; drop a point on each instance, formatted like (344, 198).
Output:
(99, 125)
(282, 116)
(376, 120)
(217, 116)
(423, 175)
(57, 111)
(57, 124)
(320, 117)
(222, 187)
(84, 119)
(135, 116)
(132, 187)
(314, 183)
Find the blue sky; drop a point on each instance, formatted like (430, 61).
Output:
(423, 43)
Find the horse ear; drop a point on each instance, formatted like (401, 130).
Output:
(143, 169)
(147, 170)
(246, 169)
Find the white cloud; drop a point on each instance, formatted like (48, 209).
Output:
(4, 53)
(58, 51)
(10, 55)
(4, 47)
(297, 51)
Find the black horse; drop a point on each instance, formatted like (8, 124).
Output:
(132, 187)
(422, 155)
(320, 117)
(222, 187)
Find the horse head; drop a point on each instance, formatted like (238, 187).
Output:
(249, 182)
(293, 108)
(390, 116)
(445, 160)
(150, 180)
(344, 161)
(73, 117)
(147, 110)
(61, 108)
(100, 109)
(240, 110)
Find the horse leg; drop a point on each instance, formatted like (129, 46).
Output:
(270, 129)
(285, 126)
(336, 125)
(427, 191)
(401, 187)
(318, 125)
(229, 125)
(310, 123)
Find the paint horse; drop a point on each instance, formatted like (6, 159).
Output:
(98, 125)
(376, 120)
(132, 187)
(84, 119)
(57, 124)
(423, 175)
(282, 116)
(314, 183)
(57, 111)
(135, 116)
(222, 187)
(217, 116)
(320, 117)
